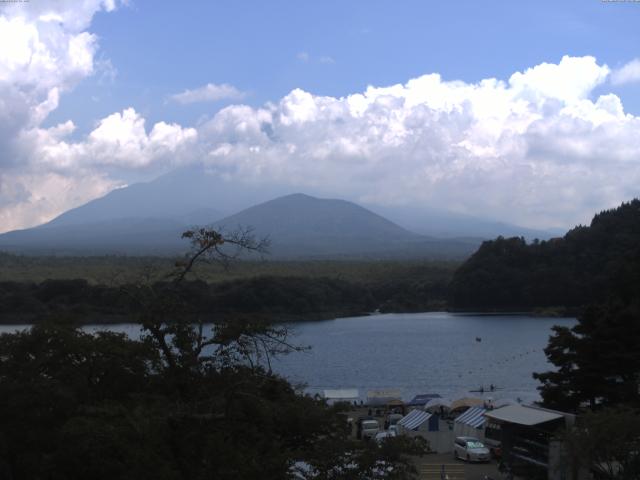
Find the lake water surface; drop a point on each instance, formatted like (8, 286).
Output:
(424, 353)
(416, 353)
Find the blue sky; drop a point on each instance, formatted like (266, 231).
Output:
(386, 103)
(160, 48)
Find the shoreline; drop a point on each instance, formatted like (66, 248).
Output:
(124, 319)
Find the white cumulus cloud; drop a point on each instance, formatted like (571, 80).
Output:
(208, 93)
(535, 149)
(45, 51)
(628, 73)
(538, 148)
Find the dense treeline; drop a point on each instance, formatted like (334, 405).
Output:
(122, 270)
(266, 296)
(584, 266)
(97, 288)
(269, 297)
(597, 374)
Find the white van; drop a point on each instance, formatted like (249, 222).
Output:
(369, 428)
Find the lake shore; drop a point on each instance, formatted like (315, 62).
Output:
(95, 318)
(122, 319)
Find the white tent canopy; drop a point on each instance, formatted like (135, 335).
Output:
(351, 393)
(414, 419)
(436, 403)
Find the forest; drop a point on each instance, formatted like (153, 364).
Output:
(97, 291)
(596, 363)
(584, 266)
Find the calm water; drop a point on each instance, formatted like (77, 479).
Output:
(417, 353)
(423, 353)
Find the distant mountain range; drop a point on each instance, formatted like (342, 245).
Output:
(148, 218)
(298, 226)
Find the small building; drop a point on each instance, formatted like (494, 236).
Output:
(341, 395)
(529, 439)
(378, 398)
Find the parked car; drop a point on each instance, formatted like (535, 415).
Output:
(380, 436)
(368, 428)
(470, 449)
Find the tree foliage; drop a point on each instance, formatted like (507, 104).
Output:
(188, 400)
(597, 361)
(606, 444)
(279, 297)
(584, 266)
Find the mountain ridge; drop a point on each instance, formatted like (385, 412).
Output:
(177, 193)
(299, 226)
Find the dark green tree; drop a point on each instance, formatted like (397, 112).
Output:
(189, 400)
(586, 265)
(605, 444)
(598, 361)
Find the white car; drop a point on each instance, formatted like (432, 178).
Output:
(380, 436)
(369, 428)
(470, 449)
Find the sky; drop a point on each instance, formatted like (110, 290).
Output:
(526, 112)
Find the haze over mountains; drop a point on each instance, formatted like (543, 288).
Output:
(148, 218)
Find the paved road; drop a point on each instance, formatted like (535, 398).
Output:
(430, 468)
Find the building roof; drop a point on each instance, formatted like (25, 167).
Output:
(414, 419)
(341, 393)
(473, 417)
(523, 415)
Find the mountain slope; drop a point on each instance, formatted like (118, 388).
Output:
(435, 223)
(174, 196)
(132, 236)
(301, 225)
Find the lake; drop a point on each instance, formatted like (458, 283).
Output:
(424, 353)
(416, 353)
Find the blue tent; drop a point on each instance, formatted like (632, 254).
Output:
(422, 399)
(419, 419)
(474, 417)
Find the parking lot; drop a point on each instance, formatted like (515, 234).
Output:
(431, 468)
